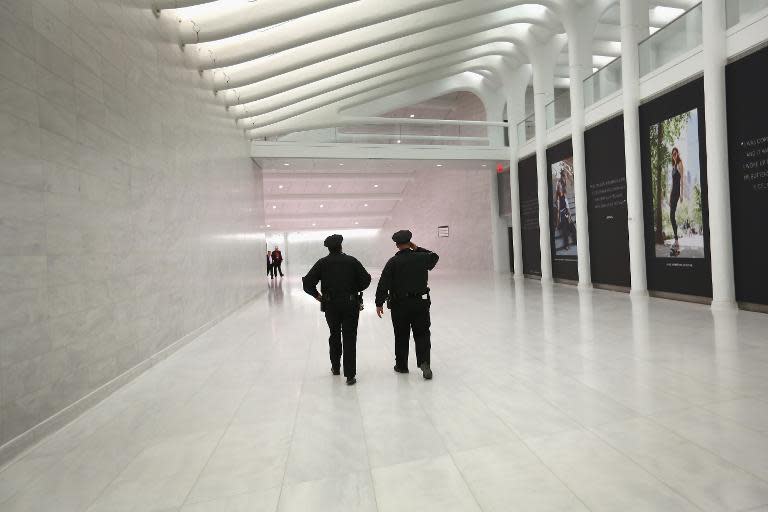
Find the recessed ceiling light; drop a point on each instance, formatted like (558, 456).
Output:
(274, 206)
(330, 186)
(341, 165)
(412, 116)
(280, 186)
(484, 165)
(286, 164)
(366, 205)
(322, 206)
(269, 226)
(398, 141)
(439, 165)
(356, 223)
(376, 186)
(314, 224)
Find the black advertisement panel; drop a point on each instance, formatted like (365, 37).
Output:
(748, 162)
(607, 203)
(675, 192)
(529, 216)
(562, 211)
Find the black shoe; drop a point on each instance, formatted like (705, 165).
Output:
(427, 371)
(335, 370)
(401, 370)
(351, 381)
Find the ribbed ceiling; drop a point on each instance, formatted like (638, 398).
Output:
(281, 66)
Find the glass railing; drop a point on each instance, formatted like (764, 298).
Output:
(737, 11)
(526, 129)
(414, 134)
(558, 110)
(680, 36)
(604, 82)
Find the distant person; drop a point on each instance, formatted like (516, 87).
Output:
(277, 262)
(270, 268)
(343, 280)
(403, 286)
(675, 195)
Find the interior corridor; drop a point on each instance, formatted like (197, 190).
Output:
(545, 398)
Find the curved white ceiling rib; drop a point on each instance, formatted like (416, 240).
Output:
(316, 58)
(451, 80)
(326, 113)
(383, 73)
(215, 21)
(287, 37)
(475, 31)
(311, 28)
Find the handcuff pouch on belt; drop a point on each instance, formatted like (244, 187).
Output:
(394, 298)
(358, 297)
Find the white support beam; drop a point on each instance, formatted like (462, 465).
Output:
(284, 177)
(407, 120)
(327, 216)
(374, 151)
(332, 197)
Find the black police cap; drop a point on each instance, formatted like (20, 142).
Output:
(402, 237)
(333, 241)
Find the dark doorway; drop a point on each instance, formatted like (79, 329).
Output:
(510, 235)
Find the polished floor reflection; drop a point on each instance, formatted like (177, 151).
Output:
(545, 398)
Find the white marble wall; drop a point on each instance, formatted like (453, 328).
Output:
(457, 198)
(129, 207)
(302, 254)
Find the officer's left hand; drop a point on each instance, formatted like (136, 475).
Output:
(319, 298)
(380, 311)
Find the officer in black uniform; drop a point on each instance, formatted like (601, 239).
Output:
(403, 286)
(343, 281)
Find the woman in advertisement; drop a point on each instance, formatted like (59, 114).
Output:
(564, 213)
(675, 195)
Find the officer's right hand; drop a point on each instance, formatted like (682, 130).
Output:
(380, 311)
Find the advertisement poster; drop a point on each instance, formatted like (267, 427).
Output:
(607, 203)
(673, 151)
(564, 208)
(747, 105)
(529, 216)
(562, 211)
(678, 222)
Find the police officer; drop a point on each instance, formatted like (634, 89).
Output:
(343, 280)
(403, 286)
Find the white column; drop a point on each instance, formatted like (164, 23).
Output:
(543, 92)
(513, 114)
(721, 242)
(494, 108)
(498, 228)
(580, 61)
(632, 28)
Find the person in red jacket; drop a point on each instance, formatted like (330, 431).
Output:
(277, 261)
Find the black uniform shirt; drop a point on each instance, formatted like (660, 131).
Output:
(341, 275)
(405, 272)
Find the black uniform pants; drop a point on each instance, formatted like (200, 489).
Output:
(277, 267)
(411, 314)
(271, 270)
(342, 320)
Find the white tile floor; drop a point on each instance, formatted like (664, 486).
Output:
(544, 399)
